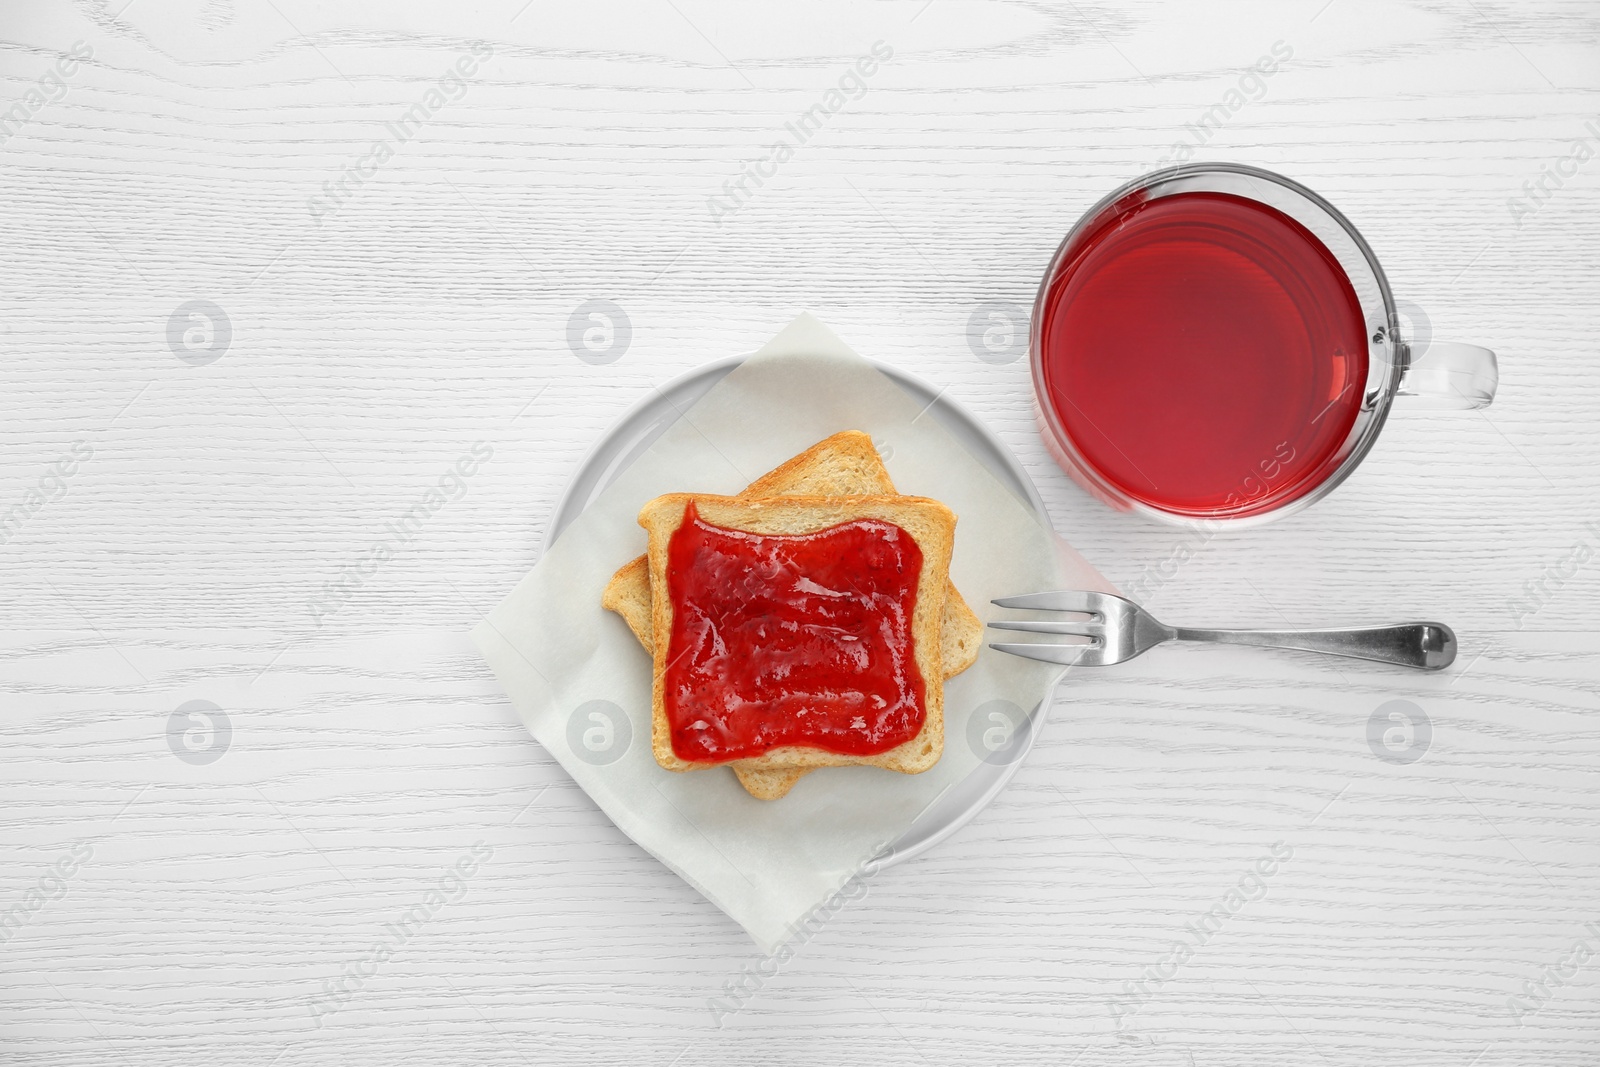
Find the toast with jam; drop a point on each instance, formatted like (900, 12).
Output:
(844, 464)
(797, 632)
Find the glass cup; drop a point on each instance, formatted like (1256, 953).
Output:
(1431, 374)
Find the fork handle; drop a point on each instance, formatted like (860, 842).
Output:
(1430, 646)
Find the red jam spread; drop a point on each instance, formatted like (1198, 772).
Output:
(791, 639)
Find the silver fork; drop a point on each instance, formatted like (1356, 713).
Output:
(1120, 630)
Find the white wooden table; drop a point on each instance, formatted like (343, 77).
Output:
(389, 251)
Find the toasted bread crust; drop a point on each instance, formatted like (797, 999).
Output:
(928, 522)
(770, 783)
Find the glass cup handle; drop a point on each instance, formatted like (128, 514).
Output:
(1444, 374)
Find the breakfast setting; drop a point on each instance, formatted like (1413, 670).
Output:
(900, 534)
(817, 619)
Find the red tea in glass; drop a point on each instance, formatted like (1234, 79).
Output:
(1219, 343)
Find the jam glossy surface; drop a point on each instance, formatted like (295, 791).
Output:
(791, 639)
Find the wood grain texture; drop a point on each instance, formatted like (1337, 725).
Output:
(210, 906)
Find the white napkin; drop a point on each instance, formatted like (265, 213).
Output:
(581, 682)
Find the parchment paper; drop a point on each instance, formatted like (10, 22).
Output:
(556, 651)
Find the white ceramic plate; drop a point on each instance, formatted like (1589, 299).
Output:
(651, 417)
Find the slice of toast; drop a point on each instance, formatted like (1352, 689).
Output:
(929, 523)
(845, 464)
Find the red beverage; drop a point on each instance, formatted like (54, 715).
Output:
(1204, 353)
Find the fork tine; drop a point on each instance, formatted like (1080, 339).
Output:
(1066, 655)
(1060, 600)
(1071, 629)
